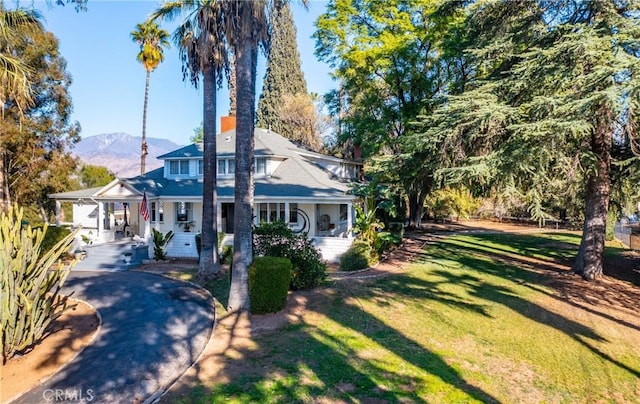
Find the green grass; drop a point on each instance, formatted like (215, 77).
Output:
(472, 321)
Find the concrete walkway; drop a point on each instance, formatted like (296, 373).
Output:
(107, 257)
(153, 329)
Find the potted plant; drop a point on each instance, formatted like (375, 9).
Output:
(126, 257)
(186, 226)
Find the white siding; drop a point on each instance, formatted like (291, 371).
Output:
(82, 213)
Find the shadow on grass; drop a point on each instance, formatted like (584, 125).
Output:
(301, 362)
(519, 270)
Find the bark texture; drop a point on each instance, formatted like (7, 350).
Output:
(209, 264)
(589, 262)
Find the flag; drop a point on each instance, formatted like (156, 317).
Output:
(144, 209)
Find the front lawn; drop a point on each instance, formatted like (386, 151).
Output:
(477, 318)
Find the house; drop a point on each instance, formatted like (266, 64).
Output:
(307, 190)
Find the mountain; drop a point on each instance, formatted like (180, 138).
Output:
(120, 152)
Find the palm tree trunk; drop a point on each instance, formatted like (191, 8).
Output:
(143, 151)
(5, 200)
(209, 264)
(589, 262)
(246, 61)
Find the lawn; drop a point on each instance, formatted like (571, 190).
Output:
(476, 318)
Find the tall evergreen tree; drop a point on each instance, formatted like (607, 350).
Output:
(556, 90)
(284, 79)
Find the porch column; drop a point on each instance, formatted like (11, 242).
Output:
(286, 213)
(256, 214)
(58, 212)
(349, 219)
(101, 218)
(219, 216)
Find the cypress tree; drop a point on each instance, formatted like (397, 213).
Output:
(283, 79)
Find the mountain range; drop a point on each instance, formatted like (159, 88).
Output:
(120, 152)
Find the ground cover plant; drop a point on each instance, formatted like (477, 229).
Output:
(477, 318)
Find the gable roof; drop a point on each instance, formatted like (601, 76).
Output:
(296, 177)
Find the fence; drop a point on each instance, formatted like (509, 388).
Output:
(629, 235)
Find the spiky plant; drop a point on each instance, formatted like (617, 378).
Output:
(31, 283)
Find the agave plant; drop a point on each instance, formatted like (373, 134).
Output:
(30, 298)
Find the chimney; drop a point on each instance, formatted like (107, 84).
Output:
(227, 123)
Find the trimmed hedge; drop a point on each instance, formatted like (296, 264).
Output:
(269, 279)
(356, 257)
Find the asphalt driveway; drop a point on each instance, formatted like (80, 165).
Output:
(153, 329)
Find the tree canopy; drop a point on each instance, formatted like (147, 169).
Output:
(36, 139)
(284, 105)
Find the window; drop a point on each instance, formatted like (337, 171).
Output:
(200, 167)
(261, 165)
(343, 212)
(221, 167)
(179, 167)
(293, 213)
(231, 166)
(157, 212)
(183, 211)
(184, 167)
(263, 212)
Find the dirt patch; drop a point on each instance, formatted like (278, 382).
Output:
(72, 332)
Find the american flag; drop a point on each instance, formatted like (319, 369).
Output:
(144, 209)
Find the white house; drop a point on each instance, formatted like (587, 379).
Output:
(305, 189)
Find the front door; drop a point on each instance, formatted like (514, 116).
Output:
(227, 218)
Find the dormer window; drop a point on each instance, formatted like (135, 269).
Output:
(226, 166)
(261, 165)
(179, 167)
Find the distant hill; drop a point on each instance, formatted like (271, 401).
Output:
(120, 152)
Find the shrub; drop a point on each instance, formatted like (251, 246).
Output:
(358, 256)
(226, 256)
(160, 241)
(276, 239)
(52, 236)
(269, 279)
(31, 282)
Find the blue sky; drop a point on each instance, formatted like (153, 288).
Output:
(108, 82)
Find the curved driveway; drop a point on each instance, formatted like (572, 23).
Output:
(153, 329)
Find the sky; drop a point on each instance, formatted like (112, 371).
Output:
(108, 81)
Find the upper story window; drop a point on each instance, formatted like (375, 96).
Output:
(261, 165)
(179, 167)
(200, 167)
(226, 166)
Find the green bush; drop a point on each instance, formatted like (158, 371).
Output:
(226, 256)
(269, 279)
(31, 283)
(52, 236)
(358, 256)
(160, 241)
(276, 239)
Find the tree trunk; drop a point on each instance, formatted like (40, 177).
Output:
(209, 264)
(416, 203)
(246, 61)
(5, 199)
(589, 262)
(143, 150)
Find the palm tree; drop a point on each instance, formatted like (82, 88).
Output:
(14, 74)
(249, 18)
(152, 41)
(15, 85)
(201, 41)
